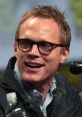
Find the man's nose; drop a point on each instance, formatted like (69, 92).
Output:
(34, 51)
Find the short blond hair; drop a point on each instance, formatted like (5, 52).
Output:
(49, 12)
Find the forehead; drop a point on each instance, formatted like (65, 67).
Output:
(40, 27)
(35, 21)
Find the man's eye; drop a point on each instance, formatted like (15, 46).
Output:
(24, 44)
(45, 46)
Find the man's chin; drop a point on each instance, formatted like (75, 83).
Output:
(32, 78)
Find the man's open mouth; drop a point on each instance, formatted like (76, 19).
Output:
(33, 65)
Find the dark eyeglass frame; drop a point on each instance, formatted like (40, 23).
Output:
(40, 46)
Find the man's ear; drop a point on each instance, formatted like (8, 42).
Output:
(15, 48)
(65, 55)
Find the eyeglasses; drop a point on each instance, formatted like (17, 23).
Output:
(44, 47)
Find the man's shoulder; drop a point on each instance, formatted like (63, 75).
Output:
(69, 98)
(3, 102)
(63, 83)
(61, 80)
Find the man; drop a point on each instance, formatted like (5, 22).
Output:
(30, 86)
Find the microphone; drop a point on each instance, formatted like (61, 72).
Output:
(76, 68)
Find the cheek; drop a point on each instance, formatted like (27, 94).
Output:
(52, 65)
(20, 59)
(53, 62)
(19, 55)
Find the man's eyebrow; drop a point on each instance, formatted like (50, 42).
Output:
(30, 39)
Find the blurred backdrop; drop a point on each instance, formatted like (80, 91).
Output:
(12, 10)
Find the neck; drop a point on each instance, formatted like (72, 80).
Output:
(43, 89)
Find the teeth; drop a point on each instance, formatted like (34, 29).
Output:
(33, 65)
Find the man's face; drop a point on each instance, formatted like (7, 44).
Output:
(34, 66)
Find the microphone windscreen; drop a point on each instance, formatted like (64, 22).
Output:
(75, 68)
